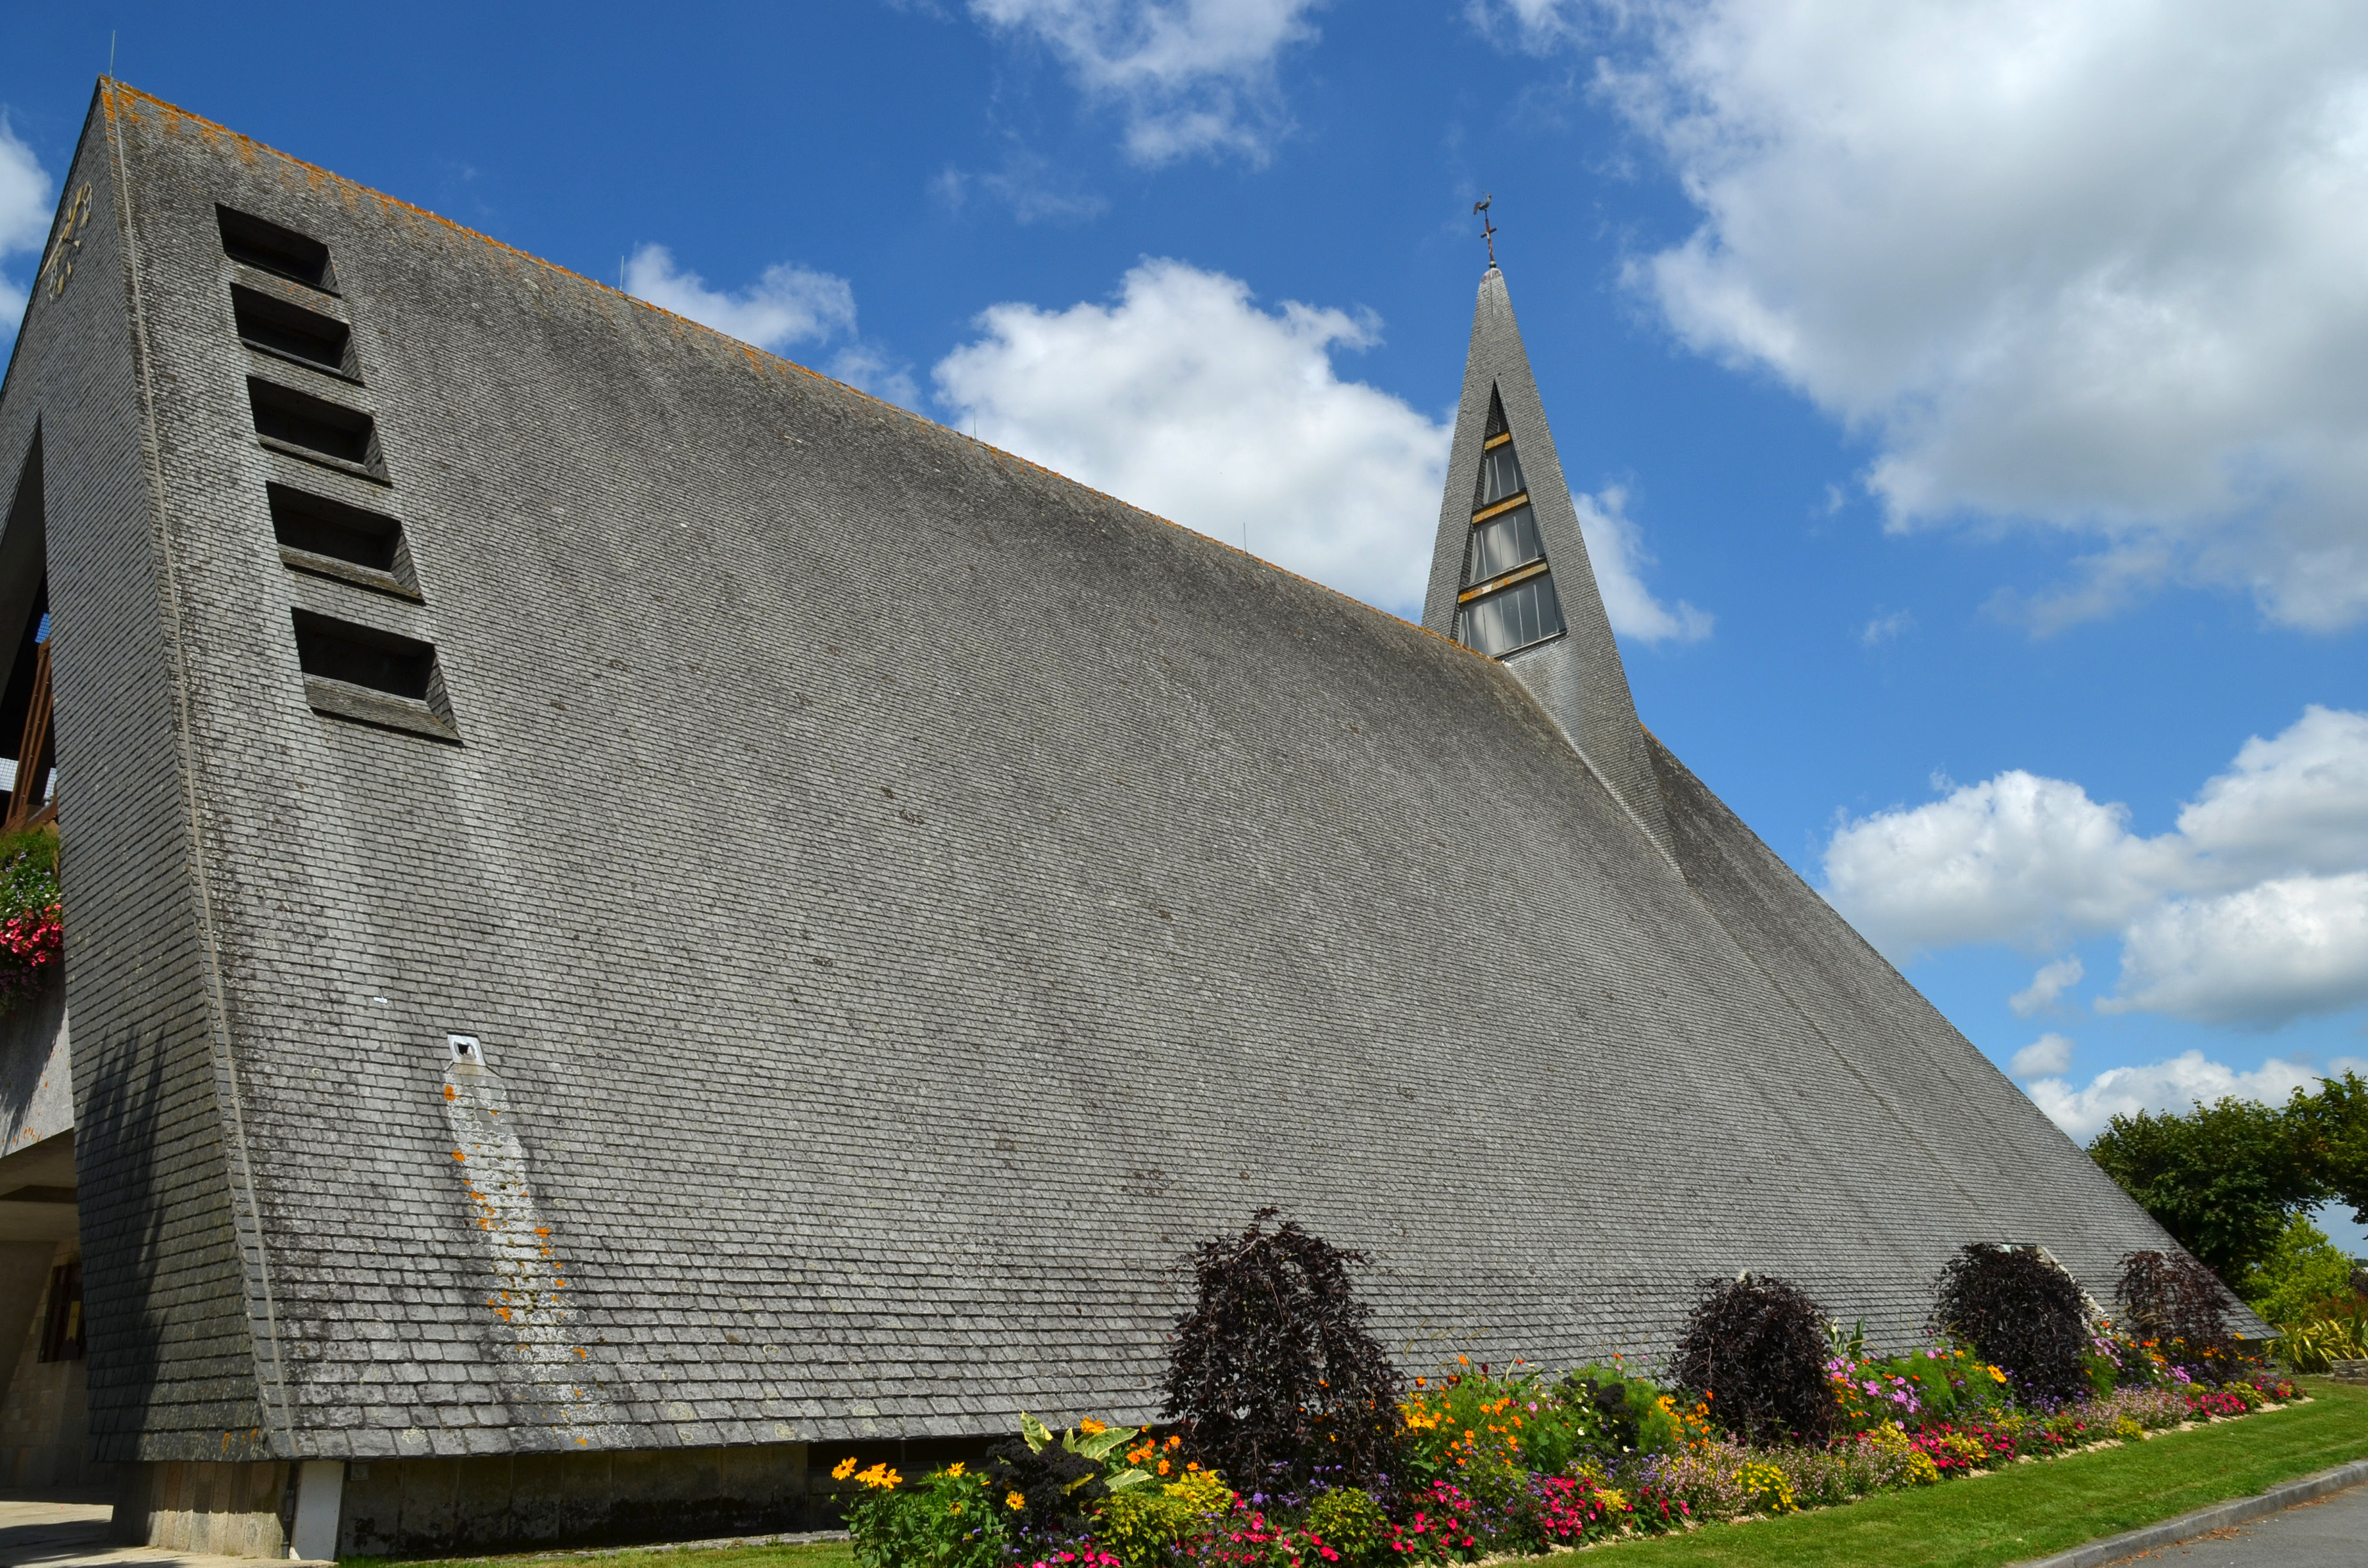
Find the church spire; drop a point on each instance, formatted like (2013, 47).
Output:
(1509, 577)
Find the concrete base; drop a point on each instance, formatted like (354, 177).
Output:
(427, 1506)
(229, 1510)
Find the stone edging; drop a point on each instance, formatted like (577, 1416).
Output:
(2203, 1521)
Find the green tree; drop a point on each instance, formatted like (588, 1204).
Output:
(2332, 1123)
(2223, 1179)
(2303, 1270)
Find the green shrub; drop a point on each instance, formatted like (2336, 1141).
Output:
(1140, 1528)
(1349, 1522)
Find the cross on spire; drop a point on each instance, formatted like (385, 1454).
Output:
(1487, 227)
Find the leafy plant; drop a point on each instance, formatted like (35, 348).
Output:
(1755, 1349)
(1056, 1487)
(1141, 1527)
(2171, 1299)
(2021, 1313)
(2329, 1331)
(1273, 1373)
(950, 1520)
(1348, 1520)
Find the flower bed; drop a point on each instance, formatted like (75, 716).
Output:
(1523, 1463)
(31, 916)
(1325, 1457)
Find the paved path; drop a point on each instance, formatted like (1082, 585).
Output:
(57, 1533)
(2330, 1533)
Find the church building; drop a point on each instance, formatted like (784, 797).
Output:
(637, 920)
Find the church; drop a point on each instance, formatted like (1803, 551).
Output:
(636, 918)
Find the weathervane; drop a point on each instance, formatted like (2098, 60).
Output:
(1487, 227)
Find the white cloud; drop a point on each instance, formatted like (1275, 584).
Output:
(2018, 859)
(1615, 548)
(1543, 27)
(2096, 266)
(2286, 949)
(2298, 802)
(2045, 1057)
(1188, 75)
(1028, 184)
(788, 305)
(2171, 1086)
(25, 212)
(2051, 981)
(1885, 628)
(1187, 399)
(2254, 911)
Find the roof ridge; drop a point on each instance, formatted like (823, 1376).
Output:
(113, 89)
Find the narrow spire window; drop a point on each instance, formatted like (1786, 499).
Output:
(1508, 600)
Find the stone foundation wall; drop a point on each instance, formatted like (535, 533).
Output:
(231, 1510)
(429, 1505)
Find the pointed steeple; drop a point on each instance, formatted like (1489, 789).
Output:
(1509, 577)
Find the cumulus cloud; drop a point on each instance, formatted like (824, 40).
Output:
(2253, 910)
(2094, 267)
(788, 305)
(2046, 1057)
(2051, 981)
(2290, 947)
(2297, 801)
(1615, 548)
(2170, 1085)
(1188, 76)
(1186, 398)
(2017, 858)
(25, 210)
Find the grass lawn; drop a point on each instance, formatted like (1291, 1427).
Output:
(2024, 1510)
(2030, 1510)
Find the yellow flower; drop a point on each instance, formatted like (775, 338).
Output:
(843, 1469)
(955, 1468)
(1091, 1427)
(881, 1478)
(1013, 1501)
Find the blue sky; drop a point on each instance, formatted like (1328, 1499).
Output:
(1967, 405)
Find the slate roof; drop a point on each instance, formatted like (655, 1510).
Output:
(905, 899)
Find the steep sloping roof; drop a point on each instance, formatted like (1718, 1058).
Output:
(905, 899)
